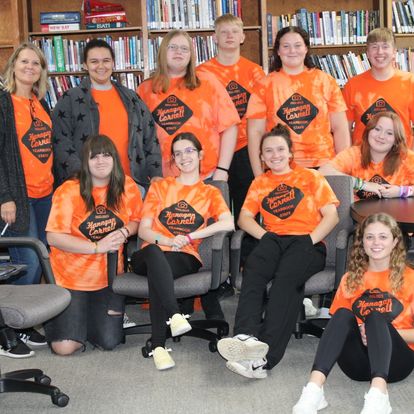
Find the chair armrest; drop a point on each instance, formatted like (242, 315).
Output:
(219, 249)
(342, 241)
(39, 248)
(112, 266)
(235, 257)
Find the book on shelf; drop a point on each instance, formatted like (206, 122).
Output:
(404, 59)
(108, 25)
(60, 17)
(329, 27)
(59, 27)
(94, 6)
(403, 16)
(107, 17)
(59, 53)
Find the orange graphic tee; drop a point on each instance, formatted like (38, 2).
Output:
(348, 162)
(365, 96)
(176, 209)
(239, 80)
(303, 102)
(205, 111)
(88, 272)
(34, 132)
(113, 122)
(375, 295)
(289, 203)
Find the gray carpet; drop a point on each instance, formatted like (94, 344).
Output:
(122, 381)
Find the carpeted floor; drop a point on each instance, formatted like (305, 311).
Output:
(122, 381)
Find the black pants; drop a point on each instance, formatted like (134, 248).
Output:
(386, 355)
(161, 268)
(288, 262)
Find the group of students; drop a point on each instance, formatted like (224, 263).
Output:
(225, 120)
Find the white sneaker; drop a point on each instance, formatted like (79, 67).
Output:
(249, 369)
(127, 323)
(311, 400)
(179, 324)
(162, 358)
(310, 310)
(241, 348)
(376, 402)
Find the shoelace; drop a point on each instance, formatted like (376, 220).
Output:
(152, 352)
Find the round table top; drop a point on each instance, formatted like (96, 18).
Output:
(402, 209)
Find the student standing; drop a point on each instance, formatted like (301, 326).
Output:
(304, 98)
(382, 88)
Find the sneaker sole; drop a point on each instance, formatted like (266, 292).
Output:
(16, 356)
(182, 330)
(322, 405)
(245, 373)
(237, 350)
(35, 344)
(165, 367)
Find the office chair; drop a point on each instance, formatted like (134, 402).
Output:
(214, 252)
(327, 280)
(26, 306)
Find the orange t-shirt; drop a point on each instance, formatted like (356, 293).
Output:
(79, 271)
(375, 295)
(35, 144)
(239, 80)
(113, 122)
(176, 208)
(205, 111)
(365, 96)
(303, 102)
(289, 203)
(348, 162)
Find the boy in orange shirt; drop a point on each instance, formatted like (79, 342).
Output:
(238, 75)
(378, 89)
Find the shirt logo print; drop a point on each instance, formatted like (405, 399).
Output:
(282, 201)
(367, 194)
(380, 105)
(240, 97)
(180, 218)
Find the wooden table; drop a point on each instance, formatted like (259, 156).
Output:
(402, 209)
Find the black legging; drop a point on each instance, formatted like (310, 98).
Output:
(161, 268)
(386, 355)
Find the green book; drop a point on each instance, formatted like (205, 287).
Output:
(60, 55)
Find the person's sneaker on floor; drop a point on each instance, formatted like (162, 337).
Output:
(310, 309)
(376, 402)
(162, 358)
(249, 369)
(311, 400)
(21, 350)
(31, 337)
(128, 323)
(179, 324)
(225, 290)
(241, 348)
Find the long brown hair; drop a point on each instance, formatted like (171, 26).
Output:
(358, 261)
(160, 78)
(101, 144)
(398, 151)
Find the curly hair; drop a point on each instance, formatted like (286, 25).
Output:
(358, 261)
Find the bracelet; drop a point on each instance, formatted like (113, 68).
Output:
(222, 169)
(125, 237)
(157, 239)
(405, 191)
(190, 240)
(359, 184)
(127, 230)
(96, 247)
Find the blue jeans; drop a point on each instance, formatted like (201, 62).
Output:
(39, 213)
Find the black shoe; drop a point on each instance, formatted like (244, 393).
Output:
(31, 337)
(225, 290)
(21, 350)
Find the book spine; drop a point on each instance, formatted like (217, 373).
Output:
(60, 18)
(59, 54)
(59, 27)
(109, 25)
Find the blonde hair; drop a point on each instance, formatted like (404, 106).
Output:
(358, 261)
(229, 19)
(160, 78)
(40, 86)
(381, 34)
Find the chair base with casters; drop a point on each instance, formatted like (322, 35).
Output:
(26, 306)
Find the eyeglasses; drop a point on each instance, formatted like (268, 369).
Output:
(186, 151)
(176, 48)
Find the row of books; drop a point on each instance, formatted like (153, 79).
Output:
(327, 27)
(403, 16)
(188, 14)
(404, 59)
(66, 55)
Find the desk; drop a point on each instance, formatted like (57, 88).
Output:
(402, 209)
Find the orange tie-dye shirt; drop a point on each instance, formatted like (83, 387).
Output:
(113, 122)
(239, 80)
(35, 144)
(205, 111)
(303, 102)
(348, 162)
(176, 209)
(375, 295)
(365, 96)
(289, 203)
(88, 272)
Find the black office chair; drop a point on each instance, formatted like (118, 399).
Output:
(214, 252)
(23, 307)
(327, 280)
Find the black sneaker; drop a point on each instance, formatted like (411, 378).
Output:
(21, 350)
(225, 290)
(31, 337)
